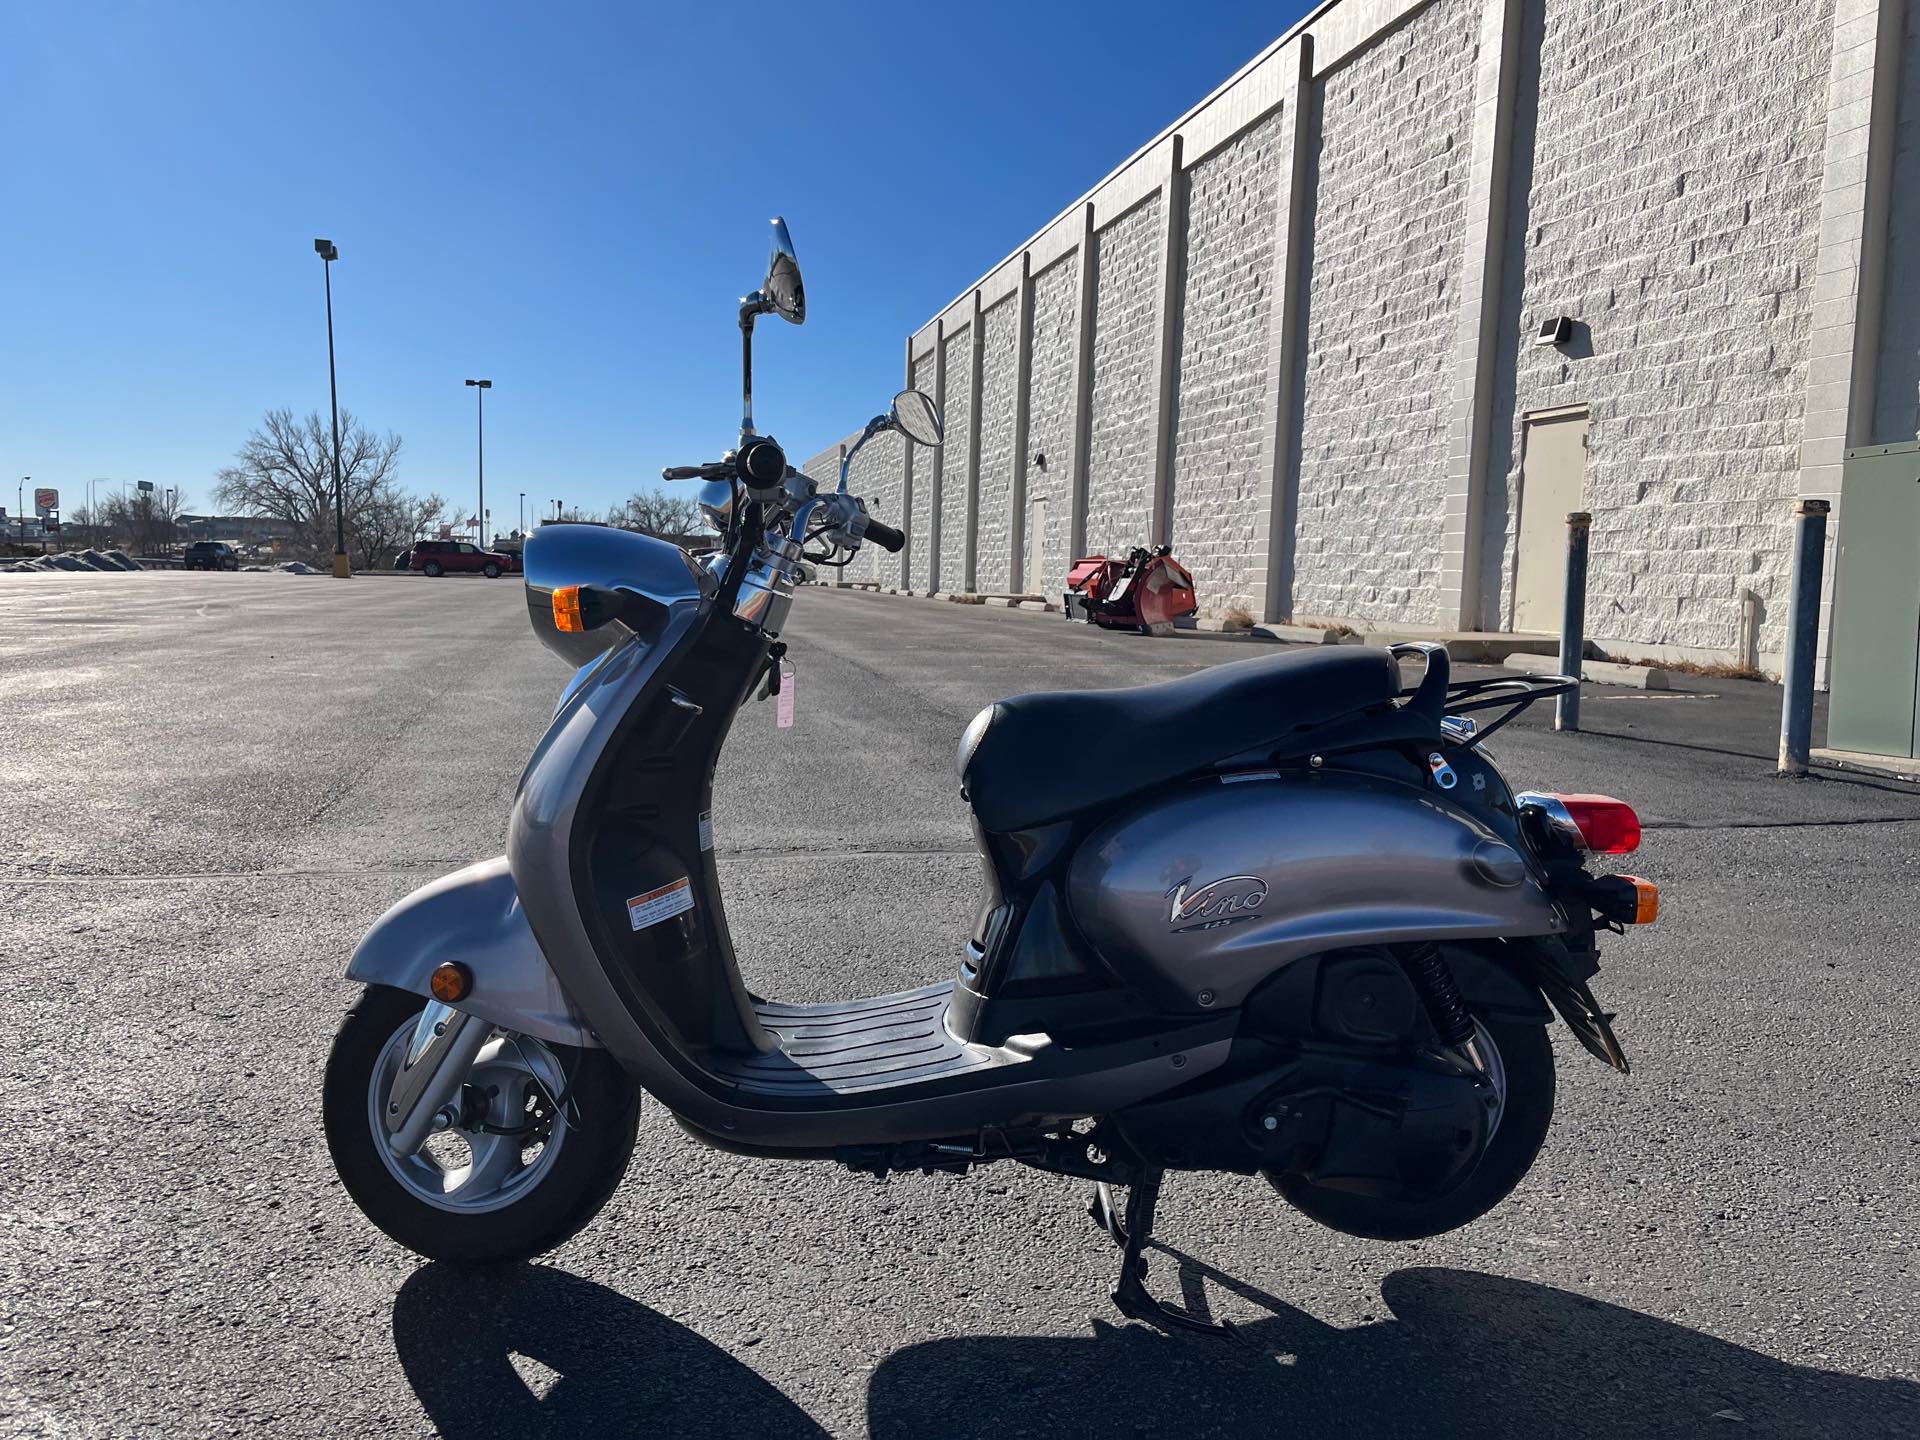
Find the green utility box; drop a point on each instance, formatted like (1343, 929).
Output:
(1875, 654)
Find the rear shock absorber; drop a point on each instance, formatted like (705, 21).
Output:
(1446, 1007)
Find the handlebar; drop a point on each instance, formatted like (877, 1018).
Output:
(885, 536)
(713, 470)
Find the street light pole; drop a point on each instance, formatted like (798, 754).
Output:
(328, 253)
(480, 398)
(20, 502)
(523, 517)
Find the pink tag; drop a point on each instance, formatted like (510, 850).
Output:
(783, 702)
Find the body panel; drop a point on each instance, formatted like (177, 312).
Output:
(473, 916)
(1214, 885)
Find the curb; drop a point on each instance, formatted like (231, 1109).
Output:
(1597, 672)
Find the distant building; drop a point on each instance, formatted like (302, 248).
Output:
(1358, 331)
(247, 529)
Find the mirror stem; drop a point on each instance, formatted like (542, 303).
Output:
(874, 427)
(749, 308)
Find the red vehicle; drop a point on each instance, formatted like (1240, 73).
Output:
(1147, 589)
(458, 557)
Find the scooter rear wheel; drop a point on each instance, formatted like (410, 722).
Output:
(1521, 1058)
(469, 1195)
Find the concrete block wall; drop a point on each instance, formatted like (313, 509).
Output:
(879, 476)
(1119, 463)
(1219, 518)
(1050, 425)
(1687, 258)
(951, 569)
(999, 362)
(1295, 330)
(1387, 217)
(926, 484)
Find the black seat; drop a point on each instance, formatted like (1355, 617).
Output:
(1032, 759)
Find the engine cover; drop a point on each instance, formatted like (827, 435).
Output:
(1398, 1126)
(1196, 895)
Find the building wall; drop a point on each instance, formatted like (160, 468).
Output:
(1120, 443)
(1683, 238)
(953, 467)
(1375, 215)
(999, 361)
(878, 476)
(1225, 310)
(1056, 331)
(1896, 415)
(926, 484)
(1387, 217)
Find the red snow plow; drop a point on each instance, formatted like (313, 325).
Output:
(1149, 588)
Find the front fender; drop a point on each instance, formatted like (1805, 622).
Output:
(473, 916)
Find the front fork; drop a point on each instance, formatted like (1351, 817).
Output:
(444, 1046)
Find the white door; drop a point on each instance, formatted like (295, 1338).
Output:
(1553, 472)
(1035, 580)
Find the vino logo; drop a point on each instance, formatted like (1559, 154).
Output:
(1218, 902)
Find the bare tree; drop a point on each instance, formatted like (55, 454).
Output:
(285, 470)
(655, 512)
(378, 524)
(148, 518)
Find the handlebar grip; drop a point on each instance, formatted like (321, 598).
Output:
(885, 536)
(686, 472)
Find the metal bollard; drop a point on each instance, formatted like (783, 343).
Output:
(1803, 635)
(1573, 620)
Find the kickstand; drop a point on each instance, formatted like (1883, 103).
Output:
(1130, 1297)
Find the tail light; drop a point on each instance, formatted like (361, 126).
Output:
(1588, 822)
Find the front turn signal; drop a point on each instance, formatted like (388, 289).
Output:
(450, 982)
(566, 611)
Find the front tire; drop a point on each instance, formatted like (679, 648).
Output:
(491, 571)
(1526, 1055)
(527, 1205)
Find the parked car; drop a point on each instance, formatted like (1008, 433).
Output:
(404, 558)
(210, 555)
(456, 557)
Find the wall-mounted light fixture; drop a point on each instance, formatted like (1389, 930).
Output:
(1557, 331)
(1040, 460)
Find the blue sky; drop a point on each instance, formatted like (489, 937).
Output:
(567, 199)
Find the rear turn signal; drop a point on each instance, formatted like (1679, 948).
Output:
(1623, 899)
(1646, 900)
(566, 611)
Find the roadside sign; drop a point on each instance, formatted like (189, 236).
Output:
(146, 485)
(46, 500)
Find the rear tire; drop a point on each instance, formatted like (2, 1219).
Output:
(432, 568)
(1527, 1055)
(591, 1151)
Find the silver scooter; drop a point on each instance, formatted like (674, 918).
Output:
(1280, 917)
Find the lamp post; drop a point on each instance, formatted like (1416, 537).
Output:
(21, 505)
(480, 388)
(523, 516)
(328, 253)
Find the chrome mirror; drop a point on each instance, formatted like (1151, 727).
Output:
(784, 293)
(915, 416)
(716, 504)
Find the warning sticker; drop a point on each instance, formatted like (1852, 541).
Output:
(706, 829)
(662, 904)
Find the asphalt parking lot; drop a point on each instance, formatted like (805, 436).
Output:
(214, 783)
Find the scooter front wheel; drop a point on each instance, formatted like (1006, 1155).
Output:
(544, 1135)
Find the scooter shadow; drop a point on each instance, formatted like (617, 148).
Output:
(1458, 1354)
(1455, 1354)
(601, 1364)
